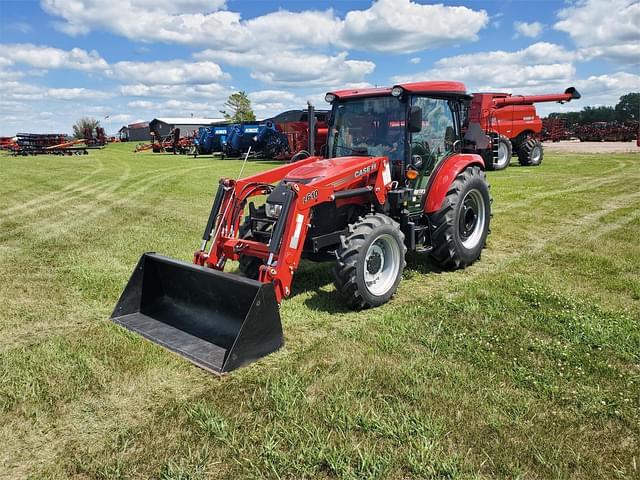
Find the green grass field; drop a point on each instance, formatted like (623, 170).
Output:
(525, 365)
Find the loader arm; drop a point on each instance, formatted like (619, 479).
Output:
(361, 177)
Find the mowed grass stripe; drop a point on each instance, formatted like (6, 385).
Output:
(69, 187)
(513, 368)
(98, 202)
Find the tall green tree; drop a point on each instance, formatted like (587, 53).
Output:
(84, 122)
(628, 108)
(238, 108)
(597, 114)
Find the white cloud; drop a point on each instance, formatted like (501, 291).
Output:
(138, 18)
(175, 108)
(174, 72)
(267, 103)
(406, 26)
(275, 46)
(41, 56)
(609, 30)
(539, 64)
(15, 90)
(538, 69)
(208, 91)
(291, 68)
(143, 104)
(531, 30)
(496, 19)
(387, 25)
(289, 29)
(415, 60)
(75, 94)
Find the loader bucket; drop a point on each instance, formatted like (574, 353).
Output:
(219, 321)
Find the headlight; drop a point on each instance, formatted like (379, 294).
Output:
(273, 210)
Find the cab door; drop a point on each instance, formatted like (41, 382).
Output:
(433, 143)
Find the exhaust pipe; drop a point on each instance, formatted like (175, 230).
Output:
(218, 321)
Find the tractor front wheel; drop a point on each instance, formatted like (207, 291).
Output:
(530, 153)
(460, 227)
(370, 261)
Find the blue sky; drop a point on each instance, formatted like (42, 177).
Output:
(131, 60)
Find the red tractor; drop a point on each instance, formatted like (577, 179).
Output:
(393, 179)
(512, 125)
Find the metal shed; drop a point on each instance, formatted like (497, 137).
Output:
(135, 132)
(163, 126)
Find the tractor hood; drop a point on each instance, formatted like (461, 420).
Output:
(325, 167)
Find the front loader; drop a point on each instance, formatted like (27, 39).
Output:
(393, 178)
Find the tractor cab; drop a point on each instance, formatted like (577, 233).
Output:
(416, 126)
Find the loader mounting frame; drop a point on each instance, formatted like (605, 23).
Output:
(283, 252)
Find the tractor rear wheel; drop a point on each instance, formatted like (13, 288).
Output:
(461, 226)
(250, 266)
(531, 153)
(370, 261)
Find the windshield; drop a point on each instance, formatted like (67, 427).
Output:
(368, 126)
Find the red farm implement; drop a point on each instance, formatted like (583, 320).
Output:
(607, 132)
(171, 143)
(554, 130)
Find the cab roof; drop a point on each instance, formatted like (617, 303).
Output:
(440, 87)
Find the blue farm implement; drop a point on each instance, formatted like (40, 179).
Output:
(209, 140)
(240, 138)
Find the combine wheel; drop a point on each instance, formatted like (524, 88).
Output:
(250, 266)
(531, 153)
(505, 150)
(370, 261)
(461, 226)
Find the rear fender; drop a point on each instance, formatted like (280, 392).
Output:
(444, 176)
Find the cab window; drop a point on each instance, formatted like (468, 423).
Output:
(435, 140)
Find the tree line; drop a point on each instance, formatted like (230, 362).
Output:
(626, 110)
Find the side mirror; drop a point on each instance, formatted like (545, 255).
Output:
(416, 161)
(415, 119)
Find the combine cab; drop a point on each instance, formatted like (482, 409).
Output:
(393, 179)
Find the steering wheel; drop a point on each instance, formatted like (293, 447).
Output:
(421, 148)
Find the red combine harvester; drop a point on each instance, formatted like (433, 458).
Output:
(512, 125)
(393, 178)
